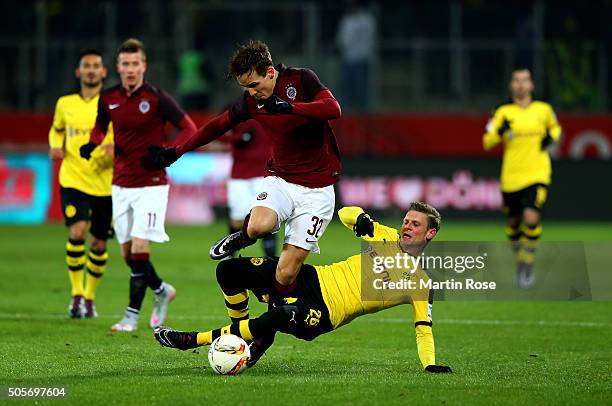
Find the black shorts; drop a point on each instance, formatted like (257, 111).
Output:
(258, 276)
(533, 197)
(79, 206)
(313, 316)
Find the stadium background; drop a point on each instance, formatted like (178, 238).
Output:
(437, 70)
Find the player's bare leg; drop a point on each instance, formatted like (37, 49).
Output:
(260, 222)
(291, 260)
(75, 258)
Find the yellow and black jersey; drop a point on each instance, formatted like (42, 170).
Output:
(341, 286)
(72, 122)
(525, 163)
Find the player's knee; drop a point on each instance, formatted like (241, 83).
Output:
(77, 230)
(261, 223)
(140, 246)
(286, 275)
(531, 218)
(225, 271)
(98, 245)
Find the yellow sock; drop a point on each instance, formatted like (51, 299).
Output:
(205, 338)
(75, 260)
(237, 305)
(96, 266)
(240, 329)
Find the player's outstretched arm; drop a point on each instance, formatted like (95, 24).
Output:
(323, 107)
(212, 130)
(355, 219)
(424, 337)
(163, 157)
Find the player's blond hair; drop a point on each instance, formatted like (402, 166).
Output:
(131, 46)
(434, 219)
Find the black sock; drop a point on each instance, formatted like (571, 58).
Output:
(138, 286)
(153, 280)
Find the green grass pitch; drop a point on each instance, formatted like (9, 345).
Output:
(501, 352)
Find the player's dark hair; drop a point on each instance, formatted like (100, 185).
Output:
(252, 56)
(89, 51)
(131, 46)
(434, 219)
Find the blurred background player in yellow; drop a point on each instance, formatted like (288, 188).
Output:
(526, 127)
(328, 296)
(85, 186)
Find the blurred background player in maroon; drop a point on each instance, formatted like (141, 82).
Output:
(139, 112)
(251, 149)
(294, 108)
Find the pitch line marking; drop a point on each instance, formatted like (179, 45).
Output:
(408, 320)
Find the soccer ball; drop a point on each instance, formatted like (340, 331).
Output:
(228, 354)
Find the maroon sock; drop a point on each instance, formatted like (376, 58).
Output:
(284, 290)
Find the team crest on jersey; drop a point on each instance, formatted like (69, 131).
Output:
(291, 92)
(262, 196)
(144, 106)
(257, 261)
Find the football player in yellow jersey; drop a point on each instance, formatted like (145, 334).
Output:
(85, 186)
(326, 297)
(526, 127)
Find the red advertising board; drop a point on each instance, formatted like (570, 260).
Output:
(412, 135)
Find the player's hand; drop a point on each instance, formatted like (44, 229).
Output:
(438, 369)
(162, 157)
(275, 104)
(364, 225)
(546, 141)
(56, 154)
(505, 126)
(87, 149)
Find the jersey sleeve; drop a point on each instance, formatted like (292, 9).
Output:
(110, 135)
(103, 120)
(311, 83)
(238, 111)
(421, 313)
(491, 138)
(169, 110)
(57, 133)
(553, 128)
(348, 216)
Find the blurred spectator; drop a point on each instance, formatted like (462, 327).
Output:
(356, 38)
(194, 80)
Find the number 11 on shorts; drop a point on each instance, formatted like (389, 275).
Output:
(152, 219)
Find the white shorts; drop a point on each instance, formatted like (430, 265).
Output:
(305, 211)
(140, 212)
(240, 195)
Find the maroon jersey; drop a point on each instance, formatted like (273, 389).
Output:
(138, 121)
(304, 149)
(251, 149)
